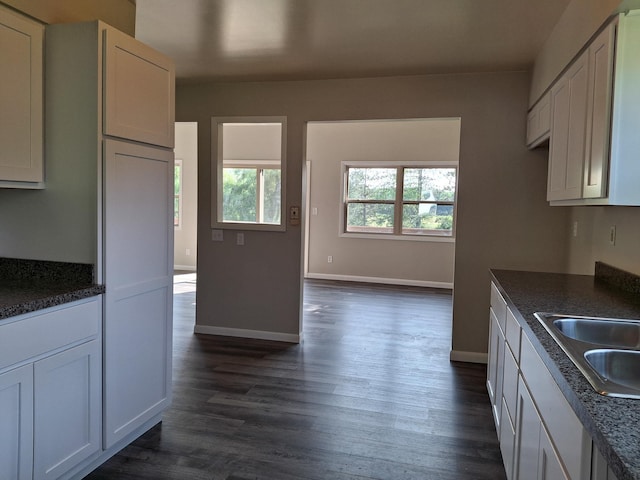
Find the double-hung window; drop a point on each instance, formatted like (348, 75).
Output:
(251, 191)
(399, 199)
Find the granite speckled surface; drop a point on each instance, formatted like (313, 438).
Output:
(613, 423)
(30, 285)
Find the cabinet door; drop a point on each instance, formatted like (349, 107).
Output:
(549, 465)
(527, 436)
(138, 263)
(21, 111)
(16, 423)
(539, 122)
(67, 409)
(495, 368)
(139, 91)
(568, 131)
(507, 440)
(596, 168)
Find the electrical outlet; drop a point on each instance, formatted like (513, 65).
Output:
(574, 230)
(330, 259)
(239, 238)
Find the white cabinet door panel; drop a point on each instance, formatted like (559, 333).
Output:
(596, 169)
(67, 409)
(568, 130)
(21, 97)
(549, 465)
(138, 267)
(139, 91)
(16, 423)
(527, 436)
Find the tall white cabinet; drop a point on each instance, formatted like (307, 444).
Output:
(110, 124)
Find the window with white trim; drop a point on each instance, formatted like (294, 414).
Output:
(177, 193)
(399, 199)
(250, 169)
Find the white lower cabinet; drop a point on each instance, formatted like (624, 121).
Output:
(536, 456)
(67, 409)
(16, 423)
(51, 402)
(541, 438)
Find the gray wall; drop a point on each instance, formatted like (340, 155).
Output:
(503, 218)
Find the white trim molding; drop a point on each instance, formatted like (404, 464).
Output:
(386, 281)
(244, 333)
(468, 357)
(188, 268)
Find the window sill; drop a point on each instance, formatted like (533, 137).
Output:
(410, 238)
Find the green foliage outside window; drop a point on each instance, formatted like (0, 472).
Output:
(240, 195)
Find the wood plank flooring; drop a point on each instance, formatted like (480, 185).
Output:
(369, 394)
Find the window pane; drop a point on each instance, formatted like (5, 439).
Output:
(370, 218)
(433, 184)
(177, 187)
(272, 196)
(239, 194)
(427, 219)
(372, 184)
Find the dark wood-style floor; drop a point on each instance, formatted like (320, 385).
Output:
(369, 394)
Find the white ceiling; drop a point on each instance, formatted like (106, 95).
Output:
(232, 40)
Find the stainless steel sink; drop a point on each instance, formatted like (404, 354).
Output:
(612, 333)
(621, 367)
(605, 350)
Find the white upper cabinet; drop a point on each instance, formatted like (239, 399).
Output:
(601, 148)
(138, 91)
(568, 130)
(21, 97)
(596, 166)
(539, 122)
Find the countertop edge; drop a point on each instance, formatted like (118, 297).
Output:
(47, 301)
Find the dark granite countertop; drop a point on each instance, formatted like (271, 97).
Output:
(613, 423)
(30, 285)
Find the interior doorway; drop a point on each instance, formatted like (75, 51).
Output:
(381, 201)
(185, 216)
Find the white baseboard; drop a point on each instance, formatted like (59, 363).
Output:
(387, 281)
(188, 268)
(469, 357)
(244, 333)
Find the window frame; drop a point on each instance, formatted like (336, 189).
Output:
(398, 202)
(178, 163)
(218, 164)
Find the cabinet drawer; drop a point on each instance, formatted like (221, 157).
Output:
(512, 335)
(499, 306)
(38, 333)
